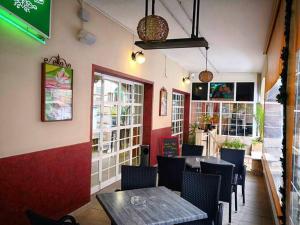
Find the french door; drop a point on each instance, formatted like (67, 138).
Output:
(117, 128)
(178, 115)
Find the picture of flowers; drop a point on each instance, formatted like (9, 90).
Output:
(57, 93)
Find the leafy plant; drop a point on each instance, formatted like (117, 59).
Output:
(256, 141)
(192, 133)
(234, 144)
(260, 120)
(206, 119)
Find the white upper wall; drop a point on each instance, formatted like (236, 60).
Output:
(21, 129)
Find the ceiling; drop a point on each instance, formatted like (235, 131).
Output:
(236, 30)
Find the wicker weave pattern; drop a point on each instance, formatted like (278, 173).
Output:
(153, 28)
(236, 157)
(226, 173)
(202, 191)
(170, 172)
(36, 219)
(134, 177)
(192, 150)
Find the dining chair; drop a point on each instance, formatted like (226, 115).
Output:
(228, 183)
(202, 190)
(236, 157)
(134, 177)
(170, 172)
(191, 150)
(37, 219)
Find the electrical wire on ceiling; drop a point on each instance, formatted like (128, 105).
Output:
(184, 29)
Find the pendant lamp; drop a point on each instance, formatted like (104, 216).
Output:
(206, 76)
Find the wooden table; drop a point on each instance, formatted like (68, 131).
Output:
(162, 207)
(194, 161)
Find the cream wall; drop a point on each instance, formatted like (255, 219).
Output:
(21, 130)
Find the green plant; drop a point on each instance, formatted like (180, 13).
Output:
(256, 141)
(192, 133)
(234, 144)
(260, 120)
(207, 119)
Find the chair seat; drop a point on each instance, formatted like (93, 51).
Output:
(198, 222)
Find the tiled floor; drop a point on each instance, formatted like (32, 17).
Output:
(257, 210)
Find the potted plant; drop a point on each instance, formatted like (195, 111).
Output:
(234, 144)
(256, 145)
(192, 133)
(207, 121)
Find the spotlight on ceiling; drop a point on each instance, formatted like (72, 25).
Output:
(138, 57)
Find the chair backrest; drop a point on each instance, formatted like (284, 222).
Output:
(170, 172)
(134, 177)
(191, 150)
(235, 157)
(226, 173)
(202, 190)
(36, 219)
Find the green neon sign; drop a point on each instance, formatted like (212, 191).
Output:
(30, 16)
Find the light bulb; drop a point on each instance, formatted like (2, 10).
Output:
(138, 57)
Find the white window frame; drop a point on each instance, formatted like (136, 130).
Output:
(100, 156)
(174, 119)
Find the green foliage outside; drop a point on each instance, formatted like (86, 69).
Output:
(234, 144)
(260, 120)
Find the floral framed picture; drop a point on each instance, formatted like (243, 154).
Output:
(163, 102)
(57, 93)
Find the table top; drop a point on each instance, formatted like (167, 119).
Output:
(194, 161)
(162, 207)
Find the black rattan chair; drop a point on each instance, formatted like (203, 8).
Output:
(36, 219)
(134, 177)
(170, 172)
(191, 150)
(237, 158)
(228, 184)
(203, 191)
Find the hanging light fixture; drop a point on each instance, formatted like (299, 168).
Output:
(206, 76)
(152, 27)
(138, 57)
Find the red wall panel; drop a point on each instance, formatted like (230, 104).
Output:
(155, 142)
(53, 182)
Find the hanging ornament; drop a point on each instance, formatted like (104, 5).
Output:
(152, 27)
(206, 76)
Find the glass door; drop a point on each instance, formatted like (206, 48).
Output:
(117, 126)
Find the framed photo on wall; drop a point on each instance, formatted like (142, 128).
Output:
(163, 102)
(57, 93)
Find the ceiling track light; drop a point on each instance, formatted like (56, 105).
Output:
(138, 57)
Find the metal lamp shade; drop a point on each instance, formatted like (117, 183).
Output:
(153, 28)
(206, 76)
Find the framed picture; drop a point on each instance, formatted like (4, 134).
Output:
(222, 91)
(163, 102)
(57, 93)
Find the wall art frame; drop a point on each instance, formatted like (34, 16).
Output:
(56, 90)
(163, 102)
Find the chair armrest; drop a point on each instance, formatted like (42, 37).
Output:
(235, 179)
(245, 170)
(219, 217)
(65, 219)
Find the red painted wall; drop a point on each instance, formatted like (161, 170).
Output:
(155, 142)
(52, 182)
